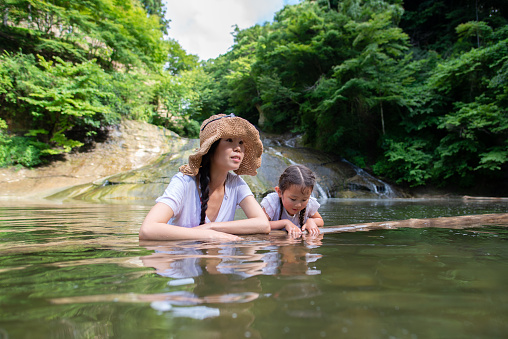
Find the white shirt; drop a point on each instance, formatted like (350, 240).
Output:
(183, 198)
(271, 204)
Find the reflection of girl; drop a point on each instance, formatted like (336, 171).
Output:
(291, 204)
(200, 201)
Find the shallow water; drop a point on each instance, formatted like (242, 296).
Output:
(79, 271)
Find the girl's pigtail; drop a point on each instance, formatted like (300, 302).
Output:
(302, 215)
(281, 207)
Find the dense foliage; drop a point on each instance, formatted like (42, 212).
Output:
(69, 69)
(417, 91)
(418, 95)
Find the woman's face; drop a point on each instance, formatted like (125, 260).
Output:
(229, 154)
(294, 198)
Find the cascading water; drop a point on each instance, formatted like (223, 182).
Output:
(375, 185)
(336, 177)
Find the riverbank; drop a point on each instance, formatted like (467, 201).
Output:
(130, 145)
(138, 146)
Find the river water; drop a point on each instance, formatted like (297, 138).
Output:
(77, 270)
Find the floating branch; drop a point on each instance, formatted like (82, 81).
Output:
(459, 222)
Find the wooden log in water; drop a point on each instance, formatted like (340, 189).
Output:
(459, 222)
(468, 197)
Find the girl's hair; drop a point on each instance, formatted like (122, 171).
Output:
(204, 179)
(296, 175)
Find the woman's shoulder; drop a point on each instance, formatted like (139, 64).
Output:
(234, 179)
(182, 180)
(183, 177)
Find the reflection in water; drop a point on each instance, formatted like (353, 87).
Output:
(206, 264)
(79, 271)
(228, 273)
(279, 254)
(206, 274)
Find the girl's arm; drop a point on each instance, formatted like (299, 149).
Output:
(256, 221)
(280, 224)
(318, 219)
(155, 227)
(291, 228)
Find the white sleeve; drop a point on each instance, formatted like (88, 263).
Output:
(270, 208)
(312, 207)
(242, 190)
(174, 194)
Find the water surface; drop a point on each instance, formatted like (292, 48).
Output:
(79, 271)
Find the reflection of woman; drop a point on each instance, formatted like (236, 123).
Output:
(189, 261)
(175, 263)
(201, 200)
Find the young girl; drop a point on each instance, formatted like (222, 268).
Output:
(291, 204)
(200, 201)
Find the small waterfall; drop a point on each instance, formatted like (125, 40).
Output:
(322, 193)
(373, 184)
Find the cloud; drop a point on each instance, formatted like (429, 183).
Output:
(204, 27)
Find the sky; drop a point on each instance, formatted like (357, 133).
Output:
(203, 27)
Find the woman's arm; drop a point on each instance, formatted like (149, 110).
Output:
(155, 227)
(256, 221)
(274, 225)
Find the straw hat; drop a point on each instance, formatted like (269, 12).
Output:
(227, 126)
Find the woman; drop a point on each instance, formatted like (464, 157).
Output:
(200, 201)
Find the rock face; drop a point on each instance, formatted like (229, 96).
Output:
(130, 145)
(335, 176)
(138, 161)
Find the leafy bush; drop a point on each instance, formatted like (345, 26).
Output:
(46, 99)
(407, 161)
(70, 68)
(19, 150)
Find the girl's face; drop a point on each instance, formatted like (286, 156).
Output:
(294, 199)
(229, 154)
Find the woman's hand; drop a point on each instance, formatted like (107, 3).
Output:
(292, 229)
(210, 234)
(220, 236)
(311, 227)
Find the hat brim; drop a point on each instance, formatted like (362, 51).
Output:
(231, 127)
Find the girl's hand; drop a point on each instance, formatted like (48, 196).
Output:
(292, 229)
(311, 227)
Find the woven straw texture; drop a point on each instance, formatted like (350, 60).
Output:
(222, 126)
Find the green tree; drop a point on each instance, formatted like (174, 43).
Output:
(112, 32)
(71, 68)
(63, 96)
(460, 120)
(432, 24)
(157, 7)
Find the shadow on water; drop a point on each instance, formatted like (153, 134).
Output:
(79, 271)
